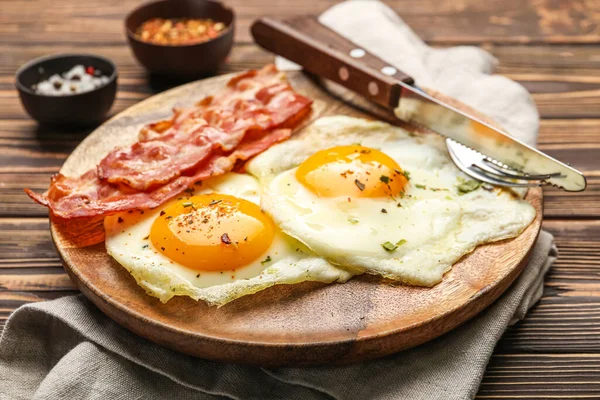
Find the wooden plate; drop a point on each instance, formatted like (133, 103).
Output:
(304, 324)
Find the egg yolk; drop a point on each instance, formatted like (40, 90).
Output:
(212, 232)
(353, 171)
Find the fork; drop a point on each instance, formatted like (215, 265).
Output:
(485, 169)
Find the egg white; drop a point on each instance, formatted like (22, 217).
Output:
(433, 224)
(289, 260)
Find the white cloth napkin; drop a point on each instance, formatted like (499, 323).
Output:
(68, 349)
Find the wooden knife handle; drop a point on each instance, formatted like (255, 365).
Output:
(305, 41)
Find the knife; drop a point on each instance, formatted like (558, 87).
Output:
(321, 51)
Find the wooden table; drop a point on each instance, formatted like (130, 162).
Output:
(551, 47)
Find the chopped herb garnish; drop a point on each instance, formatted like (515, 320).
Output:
(162, 213)
(266, 260)
(383, 210)
(468, 186)
(353, 221)
(147, 237)
(389, 246)
(405, 173)
(448, 198)
(162, 248)
(168, 217)
(384, 179)
(400, 242)
(198, 183)
(189, 190)
(419, 186)
(359, 185)
(119, 220)
(212, 203)
(225, 238)
(198, 276)
(145, 246)
(187, 204)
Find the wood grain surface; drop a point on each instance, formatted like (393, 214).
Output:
(551, 47)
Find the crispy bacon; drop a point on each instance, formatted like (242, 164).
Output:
(88, 196)
(256, 110)
(155, 162)
(255, 100)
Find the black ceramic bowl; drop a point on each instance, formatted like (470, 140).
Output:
(186, 61)
(74, 109)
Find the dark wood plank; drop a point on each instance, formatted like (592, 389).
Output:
(541, 376)
(445, 21)
(568, 316)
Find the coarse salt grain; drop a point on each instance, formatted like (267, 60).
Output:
(74, 81)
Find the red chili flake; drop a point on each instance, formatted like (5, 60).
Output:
(90, 70)
(225, 238)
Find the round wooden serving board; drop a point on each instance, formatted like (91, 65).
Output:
(303, 324)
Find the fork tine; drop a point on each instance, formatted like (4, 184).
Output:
(494, 168)
(476, 172)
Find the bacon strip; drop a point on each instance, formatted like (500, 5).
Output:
(255, 100)
(88, 196)
(254, 111)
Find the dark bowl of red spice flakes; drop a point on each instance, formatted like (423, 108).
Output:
(181, 38)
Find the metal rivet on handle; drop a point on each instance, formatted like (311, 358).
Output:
(389, 70)
(343, 73)
(357, 53)
(373, 88)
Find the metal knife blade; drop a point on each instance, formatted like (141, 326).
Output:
(418, 107)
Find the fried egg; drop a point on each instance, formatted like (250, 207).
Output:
(214, 244)
(371, 196)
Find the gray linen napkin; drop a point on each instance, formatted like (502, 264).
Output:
(67, 349)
